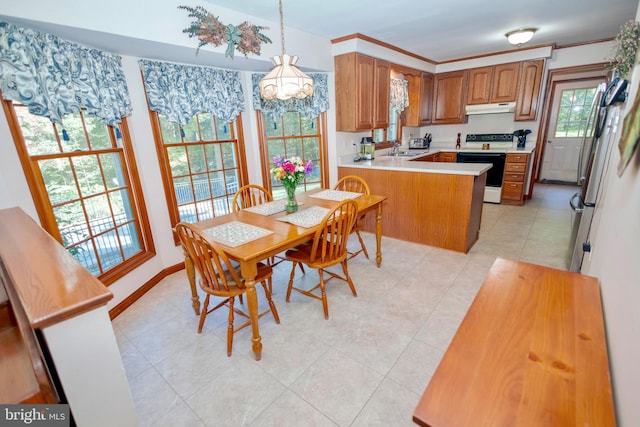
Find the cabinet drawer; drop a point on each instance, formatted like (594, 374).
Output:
(512, 190)
(513, 177)
(516, 158)
(515, 167)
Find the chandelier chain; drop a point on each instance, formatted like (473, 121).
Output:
(281, 28)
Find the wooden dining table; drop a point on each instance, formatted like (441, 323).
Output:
(284, 236)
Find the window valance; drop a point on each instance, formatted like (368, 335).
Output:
(179, 92)
(310, 107)
(55, 77)
(399, 94)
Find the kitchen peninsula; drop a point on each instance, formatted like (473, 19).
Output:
(432, 203)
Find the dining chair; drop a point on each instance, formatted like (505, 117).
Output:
(252, 195)
(328, 248)
(220, 278)
(355, 184)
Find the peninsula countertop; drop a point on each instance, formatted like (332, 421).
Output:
(405, 164)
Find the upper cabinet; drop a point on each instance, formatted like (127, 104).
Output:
(529, 90)
(494, 84)
(362, 92)
(418, 113)
(449, 93)
(381, 93)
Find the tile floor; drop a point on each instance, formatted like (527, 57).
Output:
(368, 364)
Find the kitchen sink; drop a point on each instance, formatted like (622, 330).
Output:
(405, 154)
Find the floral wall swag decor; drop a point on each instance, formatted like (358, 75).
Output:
(208, 29)
(623, 54)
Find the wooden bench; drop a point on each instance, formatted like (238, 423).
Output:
(531, 351)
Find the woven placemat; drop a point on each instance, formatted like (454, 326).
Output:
(336, 195)
(236, 233)
(306, 218)
(268, 208)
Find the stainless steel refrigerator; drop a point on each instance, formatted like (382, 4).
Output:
(594, 158)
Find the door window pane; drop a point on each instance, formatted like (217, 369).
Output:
(573, 113)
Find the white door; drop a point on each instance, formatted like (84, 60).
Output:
(568, 123)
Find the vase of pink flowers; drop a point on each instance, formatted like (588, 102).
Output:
(290, 172)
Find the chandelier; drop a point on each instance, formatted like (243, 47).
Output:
(285, 80)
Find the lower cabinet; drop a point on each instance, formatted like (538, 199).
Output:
(515, 172)
(438, 157)
(444, 156)
(429, 158)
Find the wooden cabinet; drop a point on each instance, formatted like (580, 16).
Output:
(529, 90)
(494, 84)
(439, 157)
(450, 157)
(418, 113)
(449, 93)
(428, 158)
(504, 86)
(515, 173)
(362, 92)
(381, 90)
(479, 85)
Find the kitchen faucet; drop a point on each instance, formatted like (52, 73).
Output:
(395, 149)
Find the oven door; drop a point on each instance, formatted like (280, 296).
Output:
(493, 189)
(496, 173)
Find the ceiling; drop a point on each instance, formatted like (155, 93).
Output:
(439, 31)
(449, 29)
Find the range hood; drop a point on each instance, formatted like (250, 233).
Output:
(503, 107)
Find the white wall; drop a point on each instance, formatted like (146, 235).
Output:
(14, 190)
(615, 260)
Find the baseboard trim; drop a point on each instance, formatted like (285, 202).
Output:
(127, 302)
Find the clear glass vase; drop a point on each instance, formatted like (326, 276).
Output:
(292, 203)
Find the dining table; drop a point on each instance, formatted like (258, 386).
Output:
(251, 235)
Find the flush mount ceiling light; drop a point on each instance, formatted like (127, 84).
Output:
(285, 80)
(520, 36)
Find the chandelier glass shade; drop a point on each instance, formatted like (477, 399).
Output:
(520, 36)
(285, 80)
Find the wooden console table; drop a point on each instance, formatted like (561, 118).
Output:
(531, 351)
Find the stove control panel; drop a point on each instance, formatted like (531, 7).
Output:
(489, 137)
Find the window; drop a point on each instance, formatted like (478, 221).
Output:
(393, 131)
(293, 135)
(573, 113)
(202, 166)
(83, 179)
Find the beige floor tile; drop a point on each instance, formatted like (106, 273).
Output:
(153, 397)
(338, 386)
(391, 405)
(367, 364)
(415, 366)
(290, 410)
(237, 396)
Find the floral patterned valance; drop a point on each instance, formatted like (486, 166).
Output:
(310, 107)
(399, 94)
(55, 77)
(179, 92)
